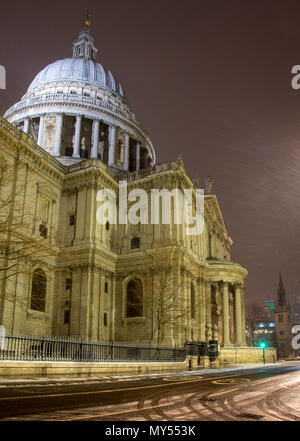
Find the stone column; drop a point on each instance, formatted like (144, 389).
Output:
(112, 145)
(242, 292)
(213, 245)
(238, 315)
(41, 130)
(138, 155)
(95, 137)
(59, 125)
(26, 125)
(202, 310)
(127, 139)
(76, 146)
(208, 310)
(75, 301)
(226, 339)
(168, 328)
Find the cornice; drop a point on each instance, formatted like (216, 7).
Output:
(91, 267)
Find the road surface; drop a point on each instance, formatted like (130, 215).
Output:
(264, 394)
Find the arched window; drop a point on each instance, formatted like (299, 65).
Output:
(134, 300)
(192, 301)
(38, 290)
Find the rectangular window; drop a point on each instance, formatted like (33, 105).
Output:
(106, 287)
(135, 243)
(68, 283)
(105, 319)
(72, 219)
(67, 316)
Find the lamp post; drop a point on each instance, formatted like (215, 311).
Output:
(263, 345)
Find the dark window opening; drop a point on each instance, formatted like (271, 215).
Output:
(84, 154)
(43, 231)
(38, 290)
(66, 316)
(134, 303)
(69, 151)
(106, 287)
(105, 319)
(68, 283)
(72, 219)
(107, 226)
(135, 243)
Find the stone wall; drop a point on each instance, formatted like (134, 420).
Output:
(247, 355)
(23, 369)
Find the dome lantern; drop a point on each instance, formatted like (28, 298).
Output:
(84, 46)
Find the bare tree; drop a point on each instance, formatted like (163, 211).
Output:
(18, 245)
(22, 244)
(254, 315)
(164, 303)
(167, 307)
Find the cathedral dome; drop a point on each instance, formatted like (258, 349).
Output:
(76, 110)
(78, 70)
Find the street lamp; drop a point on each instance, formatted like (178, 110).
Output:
(262, 344)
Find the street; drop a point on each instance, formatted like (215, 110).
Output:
(270, 393)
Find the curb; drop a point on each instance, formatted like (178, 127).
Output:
(47, 381)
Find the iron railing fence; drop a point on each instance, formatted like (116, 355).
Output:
(203, 348)
(31, 348)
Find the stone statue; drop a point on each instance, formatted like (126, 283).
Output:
(208, 183)
(219, 310)
(196, 181)
(179, 157)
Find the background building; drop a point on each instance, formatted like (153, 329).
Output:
(283, 322)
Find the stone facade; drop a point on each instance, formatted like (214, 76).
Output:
(74, 134)
(88, 275)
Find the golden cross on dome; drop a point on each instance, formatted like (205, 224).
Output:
(87, 20)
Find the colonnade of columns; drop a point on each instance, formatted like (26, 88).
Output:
(239, 314)
(113, 131)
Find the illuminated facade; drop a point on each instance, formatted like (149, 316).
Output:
(75, 134)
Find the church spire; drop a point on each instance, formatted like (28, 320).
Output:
(84, 46)
(281, 294)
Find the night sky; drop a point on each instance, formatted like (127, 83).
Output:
(209, 79)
